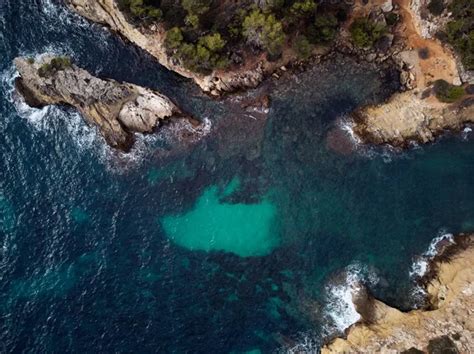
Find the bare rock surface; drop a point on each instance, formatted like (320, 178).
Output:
(407, 117)
(118, 109)
(446, 327)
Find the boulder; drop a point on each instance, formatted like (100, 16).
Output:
(387, 6)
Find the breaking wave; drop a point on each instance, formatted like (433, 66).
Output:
(466, 133)
(339, 311)
(307, 345)
(386, 152)
(346, 124)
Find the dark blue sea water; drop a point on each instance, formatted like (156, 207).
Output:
(102, 252)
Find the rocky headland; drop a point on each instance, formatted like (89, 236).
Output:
(407, 118)
(252, 65)
(436, 89)
(445, 326)
(118, 109)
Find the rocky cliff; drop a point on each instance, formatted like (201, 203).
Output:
(119, 110)
(446, 327)
(152, 40)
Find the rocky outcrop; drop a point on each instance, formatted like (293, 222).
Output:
(152, 40)
(119, 110)
(407, 117)
(445, 327)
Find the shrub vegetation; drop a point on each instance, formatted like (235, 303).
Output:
(206, 34)
(460, 30)
(303, 47)
(55, 65)
(445, 92)
(141, 9)
(264, 31)
(365, 32)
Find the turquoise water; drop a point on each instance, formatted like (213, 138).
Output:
(235, 243)
(243, 229)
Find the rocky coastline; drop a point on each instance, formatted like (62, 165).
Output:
(413, 114)
(445, 326)
(119, 110)
(152, 39)
(258, 68)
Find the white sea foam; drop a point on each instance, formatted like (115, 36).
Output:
(347, 125)
(466, 133)
(166, 135)
(50, 119)
(387, 153)
(339, 311)
(47, 119)
(307, 344)
(339, 308)
(53, 9)
(420, 265)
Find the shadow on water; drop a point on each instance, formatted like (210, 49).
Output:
(88, 264)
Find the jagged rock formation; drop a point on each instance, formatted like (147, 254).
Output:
(445, 327)
(152, 40)
(117, 109)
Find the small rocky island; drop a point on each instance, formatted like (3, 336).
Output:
(445, 326)
(118, 109)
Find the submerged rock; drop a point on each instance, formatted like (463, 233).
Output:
(446, 327)
(118, 109)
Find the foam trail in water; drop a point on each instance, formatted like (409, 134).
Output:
(306, 345)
